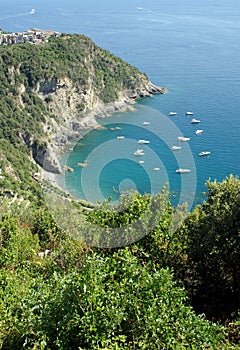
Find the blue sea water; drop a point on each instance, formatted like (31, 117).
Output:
(192, 49)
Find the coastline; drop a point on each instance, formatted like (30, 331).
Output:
(90, 121)
(52, 179)
(87, 121)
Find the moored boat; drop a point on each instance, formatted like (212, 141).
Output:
(139, 152)
(143, 141)
(182, 138)
(180, 171)
(175, 148)
(189, 113)
(198, 132)
(204, 153)
(195, 121)
(173, 113)
(83, 164)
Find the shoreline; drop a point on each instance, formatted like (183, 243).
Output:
(52, 177)
(87, 121)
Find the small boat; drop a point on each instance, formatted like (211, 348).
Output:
(198, 132)
(143, 141)
(146, 123)
(195, 121)
(120, 137)
(139, 152)
(141, 162)
(83, 164)
(173, 113)
(180, 171)
(175, 148)
(189, 113)
(116, 128)
(204, 153)
(181, 138)
(156, 169)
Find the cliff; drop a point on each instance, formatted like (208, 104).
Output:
(64, 99)
(51, 90)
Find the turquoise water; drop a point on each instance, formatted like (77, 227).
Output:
(190, 48)
(113, 168)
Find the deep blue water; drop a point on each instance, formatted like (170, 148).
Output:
(190, 48)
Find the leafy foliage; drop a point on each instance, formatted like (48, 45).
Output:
(213, 231)
(57, 292)
(77, 297)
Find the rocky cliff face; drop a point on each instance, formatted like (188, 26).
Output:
(65, 100)
(55, 89)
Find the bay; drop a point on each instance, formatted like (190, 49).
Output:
(193, 50)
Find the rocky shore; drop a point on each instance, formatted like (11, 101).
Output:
(52, 91)
(72, 121)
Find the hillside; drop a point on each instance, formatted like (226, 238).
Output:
(49, 91)
(81, 276)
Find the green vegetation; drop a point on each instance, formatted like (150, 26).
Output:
(30, 75)
(213, 231)
(72, 296)
(159, 287)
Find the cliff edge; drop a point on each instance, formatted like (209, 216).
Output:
(52, 89)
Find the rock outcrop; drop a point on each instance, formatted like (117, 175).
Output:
(63, 98)
(60, 87)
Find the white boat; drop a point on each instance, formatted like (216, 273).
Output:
(139, 152)
(116, 128)
(195, 121)
(204, 153)
(173, 113)
(175, 148)
(181, 138)
(156, 169)
(189, 113)
(83, 164)
(146, 123)
(143, 141)
(120, 137)
(141, 162)
(180, 171)
(198, 132)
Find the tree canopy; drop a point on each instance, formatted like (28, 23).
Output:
(58, 293)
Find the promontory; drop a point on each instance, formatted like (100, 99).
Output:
(52, 85)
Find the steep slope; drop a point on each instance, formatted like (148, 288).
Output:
(51, 90)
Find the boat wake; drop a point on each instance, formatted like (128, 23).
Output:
(144, 9)
(18, 15)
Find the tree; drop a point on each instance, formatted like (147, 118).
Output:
(214, 250)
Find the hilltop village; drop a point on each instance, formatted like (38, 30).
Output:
(32, 36)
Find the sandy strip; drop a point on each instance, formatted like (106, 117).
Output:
(52, 179)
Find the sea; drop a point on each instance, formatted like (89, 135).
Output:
(189, 47)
